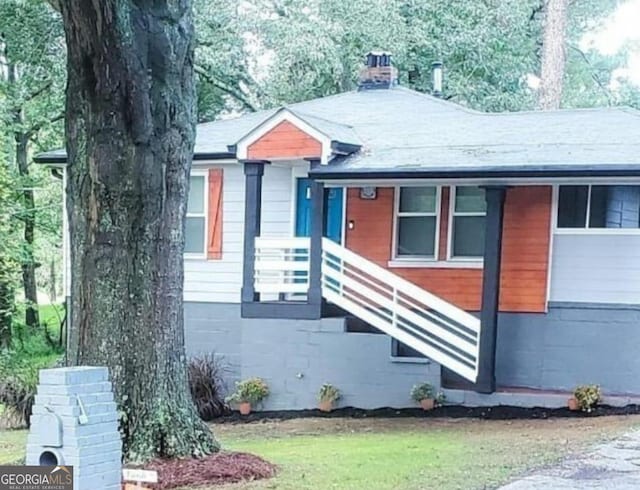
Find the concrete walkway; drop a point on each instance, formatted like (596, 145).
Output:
(615, 465)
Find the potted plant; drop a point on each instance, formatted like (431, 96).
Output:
(248, 392)
(327, 396)
(423, 393)
(586, 398)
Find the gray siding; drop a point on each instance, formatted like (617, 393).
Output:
(221, 280)
(571, 345)
(596, 268)
(297, 356)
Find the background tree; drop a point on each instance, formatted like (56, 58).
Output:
(32, 83)
(554, 55)
(223, 61)
(130, 129)
(8, 264)
(492, 49)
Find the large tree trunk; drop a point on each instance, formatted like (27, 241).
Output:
(130, 126)
(553, 54)
(32, 318)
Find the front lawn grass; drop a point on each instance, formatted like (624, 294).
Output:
(406, 454)
(12, 446)
(412, 453)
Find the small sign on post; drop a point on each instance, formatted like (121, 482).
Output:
(138, 477)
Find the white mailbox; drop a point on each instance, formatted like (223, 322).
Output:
(75, 423)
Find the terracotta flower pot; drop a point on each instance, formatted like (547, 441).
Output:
(573, 404)
(428, 403)
(245, 408)
(325, 405)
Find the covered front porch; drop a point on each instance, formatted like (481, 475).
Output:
(296, 277)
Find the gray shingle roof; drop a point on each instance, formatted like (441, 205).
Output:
(401, 130)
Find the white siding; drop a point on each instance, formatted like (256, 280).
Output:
(596, 268)
(220, 281)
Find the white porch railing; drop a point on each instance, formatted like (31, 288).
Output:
(282, 265)
(427, 323)
(419, 319)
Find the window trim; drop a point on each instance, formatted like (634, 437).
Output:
(415, 259)
(200, 173)
(452, 214)
(586, 230)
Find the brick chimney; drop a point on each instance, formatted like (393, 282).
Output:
(378, 72)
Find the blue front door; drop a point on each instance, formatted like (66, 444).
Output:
(333, 211)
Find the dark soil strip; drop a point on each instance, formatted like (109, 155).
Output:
(502, 412)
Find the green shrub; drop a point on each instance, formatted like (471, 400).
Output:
(206, 384)
(588, 397)
(29, 352)
(329, 393)
(18, 383)
(252, 390)
(422, 391)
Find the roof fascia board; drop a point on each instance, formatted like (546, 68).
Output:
(390, 182)
(501, 174)
(50, 161)
(198, 158)
(214, 161)
(214, 156)
(242, 146)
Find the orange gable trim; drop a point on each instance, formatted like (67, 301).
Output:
(214, 235)
(285, 140)
(525, 249)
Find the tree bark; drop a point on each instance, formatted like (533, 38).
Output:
(6, 302)
(53, 281)
(32, 318)
(553, 54)
(130, 129)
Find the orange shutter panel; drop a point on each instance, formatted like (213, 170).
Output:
(214, 238)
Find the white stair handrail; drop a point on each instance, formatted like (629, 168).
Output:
(423, 321)
(411, 289)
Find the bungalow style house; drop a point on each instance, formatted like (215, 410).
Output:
(383, 237)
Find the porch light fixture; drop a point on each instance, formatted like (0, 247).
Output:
(368, 192)
(436, 74)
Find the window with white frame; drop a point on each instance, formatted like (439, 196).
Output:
(468, 214)
(196, 224)
(416, 222)
(598, 206)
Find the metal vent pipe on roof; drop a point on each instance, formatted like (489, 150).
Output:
(436, 80)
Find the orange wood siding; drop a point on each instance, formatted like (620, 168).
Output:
(525, 249)
(214, 233)
(283, 141)
(444, 224)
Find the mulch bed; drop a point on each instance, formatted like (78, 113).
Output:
(217, 469)
(500, 412)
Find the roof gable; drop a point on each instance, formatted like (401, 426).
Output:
(288, 134)
(284, 140)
